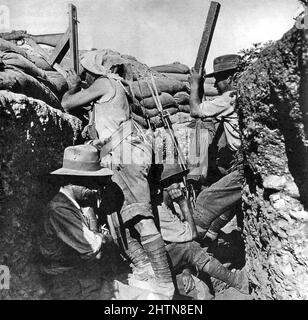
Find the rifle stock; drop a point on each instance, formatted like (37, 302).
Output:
(48, 39)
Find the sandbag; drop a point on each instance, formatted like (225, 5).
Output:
(165, 98)
(181, 97)
(140, 120)
(19, 82)
(9, 46)
(177, 76)
(179, 117)
(58, 81)
(163, 84)
(20, 62)
(154, 112)
(141, 89)
(40, 62)
(171, 86)
(175, 67)
(52, 79)
(184, 108)
(140, 111)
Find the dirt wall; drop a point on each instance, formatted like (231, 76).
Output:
(32, 139)
(275, 148)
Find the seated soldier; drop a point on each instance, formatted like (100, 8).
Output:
(67, 242)
(180, 233)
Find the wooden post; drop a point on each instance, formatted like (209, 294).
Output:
(207, 36)
(73, 37)
(61, 49)
(201, 133)
(68, 41)
(203, 52)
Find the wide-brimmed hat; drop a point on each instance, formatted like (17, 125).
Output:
(172, 171)
(224, 63)
(100, 62)
(82, 160)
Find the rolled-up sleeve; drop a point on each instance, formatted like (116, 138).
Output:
(171, 227)
(73, 231)
(221, 106)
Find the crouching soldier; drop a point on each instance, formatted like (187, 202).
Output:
(179, 233)
(68, 244)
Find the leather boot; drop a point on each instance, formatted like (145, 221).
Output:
(136, 252)
(240, 281)
(162, 283)
(158, 257)
(236, 278)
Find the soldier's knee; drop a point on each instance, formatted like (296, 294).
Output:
(201, 259)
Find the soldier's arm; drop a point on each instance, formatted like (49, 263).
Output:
(75, 233)
(176, 194)
(207, 109)
(73, 98)
(196, 83)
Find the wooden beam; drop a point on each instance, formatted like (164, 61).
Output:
(61, 49)
(73, 37)
(200, 130)
(207, 36)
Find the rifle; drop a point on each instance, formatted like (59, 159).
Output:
(20, 36)
(167, 122)
(185, 204)
(61, 41)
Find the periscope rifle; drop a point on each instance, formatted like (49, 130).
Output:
(62, 42)
(202, 55)
(19, 37)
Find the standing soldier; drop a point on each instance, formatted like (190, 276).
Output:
(216, 205)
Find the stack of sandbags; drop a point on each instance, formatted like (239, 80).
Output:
(29, 74)
(175, 70)
(181, 72)
(144, 109)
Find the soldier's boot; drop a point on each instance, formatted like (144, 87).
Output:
(237, 279)
(153, 244)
